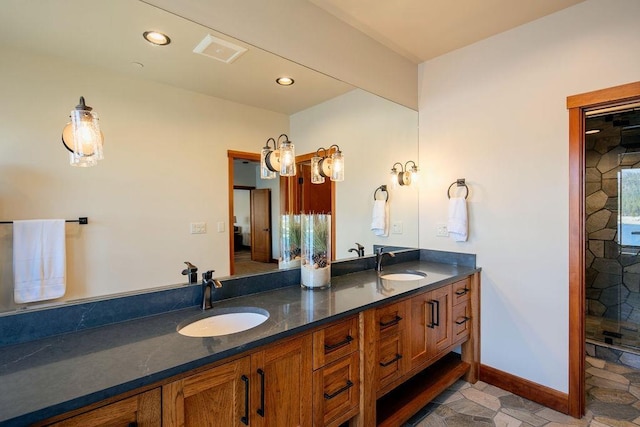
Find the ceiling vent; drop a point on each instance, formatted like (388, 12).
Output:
(219, 49)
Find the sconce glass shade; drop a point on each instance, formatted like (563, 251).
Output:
(265, 156)
(395, 178)
(82, 137)
(316, 170)
(287, 159)
(337, 166)
(415, 175)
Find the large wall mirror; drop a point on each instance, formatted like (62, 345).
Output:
(169, 117)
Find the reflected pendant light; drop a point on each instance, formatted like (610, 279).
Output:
(82, 136)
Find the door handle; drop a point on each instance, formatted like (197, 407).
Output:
(260, 410)
(337, 392)
(245, 419)
(433, 315)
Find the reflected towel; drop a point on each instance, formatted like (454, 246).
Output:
(380, 220)
(458, 223)
(39, 260)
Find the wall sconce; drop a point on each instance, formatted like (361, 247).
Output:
(82, 136)
(282, 158)
(405, 176)
(331, 166)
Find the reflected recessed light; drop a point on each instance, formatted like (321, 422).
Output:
(285, 81)
(156, 38)
(592, 131)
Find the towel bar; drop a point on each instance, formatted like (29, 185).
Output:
(460, 182)
(81, 220)
(382, 188)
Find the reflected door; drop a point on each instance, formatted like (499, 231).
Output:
(261, 225)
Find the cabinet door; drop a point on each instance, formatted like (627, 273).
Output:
(217, 397)
(282, 384)
(430, 326)
(142, 410)
(439, 330)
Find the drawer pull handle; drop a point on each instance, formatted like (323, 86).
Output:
(391, 322)
(464, 320)
(337, 392)
(245, 419)
(395, 359)
(347, 340)
(260, 410)
(463, 291)
(434, 305)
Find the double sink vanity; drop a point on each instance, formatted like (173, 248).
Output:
(371, 350)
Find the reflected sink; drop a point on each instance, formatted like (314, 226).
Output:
(404, 276)
(224, 322)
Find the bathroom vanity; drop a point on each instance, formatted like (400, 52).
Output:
(368, 351)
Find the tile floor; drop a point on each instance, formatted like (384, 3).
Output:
(613, 399)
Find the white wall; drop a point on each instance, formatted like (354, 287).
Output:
(372, 133)
(494, 113)
(164, 167)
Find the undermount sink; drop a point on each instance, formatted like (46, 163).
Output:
(224, 322)
(404, 276)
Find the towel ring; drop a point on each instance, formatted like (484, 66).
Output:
(458, 183)
(383, 188)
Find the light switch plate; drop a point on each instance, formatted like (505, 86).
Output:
(396, 227)
(198, 227)
(220, 227)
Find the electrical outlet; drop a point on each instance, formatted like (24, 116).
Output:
(396, 227)
(441, 230)
(198, 227)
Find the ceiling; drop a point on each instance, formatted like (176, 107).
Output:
(423, 29)
(108, 34)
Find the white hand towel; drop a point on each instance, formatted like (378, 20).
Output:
(458, 225)
(380, 221)
(39, 260)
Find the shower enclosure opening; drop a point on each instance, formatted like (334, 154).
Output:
(612, 228)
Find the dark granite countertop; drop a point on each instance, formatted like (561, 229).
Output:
(50, 376)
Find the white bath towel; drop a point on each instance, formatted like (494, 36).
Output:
(39, 260)
(380, 220)
(458, 226)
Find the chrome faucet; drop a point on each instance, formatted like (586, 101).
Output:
(208, 282)
(380, 253)
(359, 250)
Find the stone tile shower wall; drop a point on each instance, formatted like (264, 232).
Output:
(612, 279)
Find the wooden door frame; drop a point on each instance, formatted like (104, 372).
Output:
(577, 106)
(231, 156)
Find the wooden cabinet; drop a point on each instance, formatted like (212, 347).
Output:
(281, 384)
(430, 326)
(336, 375)
(391, 357)
(142, 410)
(270, 387)
(217, 397)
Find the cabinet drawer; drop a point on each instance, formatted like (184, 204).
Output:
(390, 319)
(391, 359)
(336, 391)
(461, 291)
(461, 322)
(334, 342)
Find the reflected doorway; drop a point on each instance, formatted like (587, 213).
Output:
(250, 237)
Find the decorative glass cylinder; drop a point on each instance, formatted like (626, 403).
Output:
(290, 248)
(287, 159)
(337, 166)
(315, 269)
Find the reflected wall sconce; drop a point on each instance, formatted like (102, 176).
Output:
(404, 175)
(324, 166)
(82, 136)
(281, 158)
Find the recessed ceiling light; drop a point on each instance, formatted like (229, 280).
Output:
(592, 131)
(156, 38)
(285, 81)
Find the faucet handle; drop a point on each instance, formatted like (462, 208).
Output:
(207, 275)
